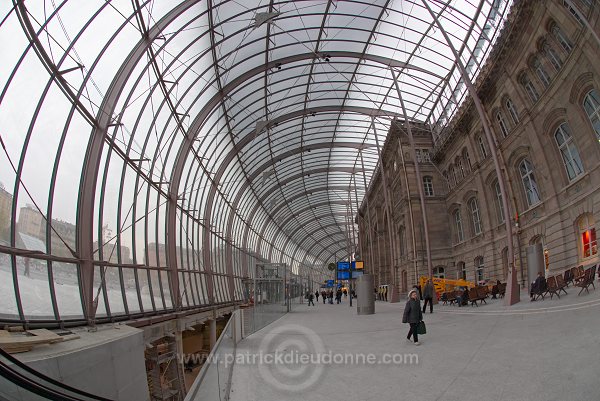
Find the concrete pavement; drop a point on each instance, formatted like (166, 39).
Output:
(534, 351)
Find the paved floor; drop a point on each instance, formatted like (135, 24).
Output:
(544, 350)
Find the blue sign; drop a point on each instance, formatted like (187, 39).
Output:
(343, 266)
(329, 283)
(343, 275)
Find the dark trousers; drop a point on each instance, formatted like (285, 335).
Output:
(413, 332)
(430, 300)
(310, 301)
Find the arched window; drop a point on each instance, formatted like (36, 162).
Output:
(482, 147)
(591, 104)
(502, 124)
(498, 202)
(529, 87)
(465, 155)
(587, 235)
(479, 269)
(568, 151)
(428, 185)
(452, 173)
(458, 228)
(553, 56)
(460, 170)
(541, 72)
(439, 272)
(461, 271)
(512, 110)
(475, 216)
(561, 38)
(529, 184)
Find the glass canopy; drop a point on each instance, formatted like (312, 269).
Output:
(153, 150)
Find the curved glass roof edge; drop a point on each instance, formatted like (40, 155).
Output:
(212, 128)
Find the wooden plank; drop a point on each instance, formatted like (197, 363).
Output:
(47, 334)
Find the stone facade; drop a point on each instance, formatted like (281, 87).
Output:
(541, 92)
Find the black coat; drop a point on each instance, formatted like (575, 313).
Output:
(412, 311)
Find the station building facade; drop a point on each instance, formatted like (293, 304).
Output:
(540, 88)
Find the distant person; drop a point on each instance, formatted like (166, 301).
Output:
(375, 292)
(324, 296)
(317, 295)
(330, 297)
(463, 297)
(345, 291)
(26, 272)
(311, 297)
(413, 315)
(428, 293)
(538, 286)
(385, 290)
(338, 296)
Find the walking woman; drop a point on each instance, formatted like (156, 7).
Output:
(413, 314)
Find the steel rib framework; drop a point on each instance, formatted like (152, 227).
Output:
(153, 151)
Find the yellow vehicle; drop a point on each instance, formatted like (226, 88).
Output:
(443, 284)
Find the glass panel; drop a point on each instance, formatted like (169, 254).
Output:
(34, 289)
(8, 303)
(66, 288)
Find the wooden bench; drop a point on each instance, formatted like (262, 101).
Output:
(540, 292)
(561, 284)
(578, 274)
(483, 293)
(568, 277)
(588, 279)
(552, 287)
(451, 297)
(474, 296)
(501, 290)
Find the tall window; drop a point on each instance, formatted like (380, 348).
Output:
(587, 233)
(428, 185)
(460, 170)
(502, 124)
(482, 148)
(541, 72)
(460, 235)
(568, 151)
(529, 88)
(479, 268)
(553, 56)
(452, 175)
(499, 207)
(529, 184)
(425, 155)
(462, 270)
(475, 216)
(562, 39)
(591, 104)
(512, 110)
(465, 154)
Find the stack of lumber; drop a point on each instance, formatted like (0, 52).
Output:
(22, 342)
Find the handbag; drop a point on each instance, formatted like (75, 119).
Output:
(421, 328)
